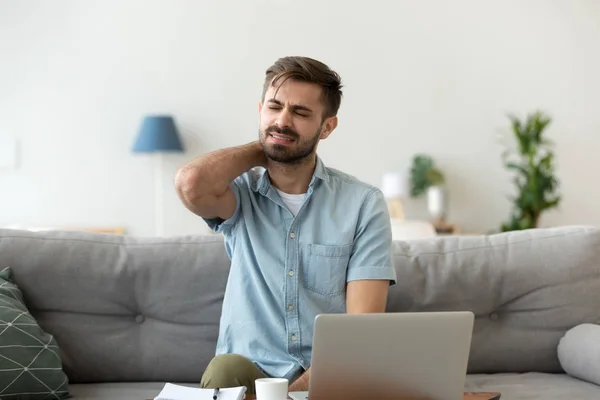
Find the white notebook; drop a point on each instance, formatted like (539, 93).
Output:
(178, 392)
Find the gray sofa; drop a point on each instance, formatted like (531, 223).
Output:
(130, 313)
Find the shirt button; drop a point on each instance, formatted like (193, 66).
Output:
(292, 235)
(293, 337)
(291, 307)
(291, 273)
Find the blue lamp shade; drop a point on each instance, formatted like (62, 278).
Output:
(158, 133)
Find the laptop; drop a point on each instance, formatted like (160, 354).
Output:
(417, 356)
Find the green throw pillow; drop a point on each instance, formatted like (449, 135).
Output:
(30, 365)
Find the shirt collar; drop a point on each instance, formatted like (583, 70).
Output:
(263, 183)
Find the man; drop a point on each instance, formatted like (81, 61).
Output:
(303, 239)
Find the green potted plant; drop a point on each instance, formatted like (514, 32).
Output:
(427, 179)
(533, 165)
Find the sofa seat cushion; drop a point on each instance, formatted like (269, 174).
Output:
(30, 364)
(121, 391)
(529, 386)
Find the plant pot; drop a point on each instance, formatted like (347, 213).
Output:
(437, 202)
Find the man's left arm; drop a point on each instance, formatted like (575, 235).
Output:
(371, 269)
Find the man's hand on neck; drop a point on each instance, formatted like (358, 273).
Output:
(301, 384)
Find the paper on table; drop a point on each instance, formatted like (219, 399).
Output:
(178, 392)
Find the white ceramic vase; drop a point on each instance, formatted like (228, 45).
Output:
(437, 202)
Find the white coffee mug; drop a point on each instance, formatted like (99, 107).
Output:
(271, 388)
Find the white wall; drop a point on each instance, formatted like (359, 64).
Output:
(430, 76)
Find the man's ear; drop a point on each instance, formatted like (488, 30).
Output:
(260, 105)
(328, 126)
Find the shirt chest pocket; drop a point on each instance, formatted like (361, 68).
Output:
(324, 268)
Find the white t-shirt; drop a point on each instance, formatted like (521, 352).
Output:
(292, 201)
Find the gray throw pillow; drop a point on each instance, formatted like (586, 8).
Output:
(30, 365)
(579, 352)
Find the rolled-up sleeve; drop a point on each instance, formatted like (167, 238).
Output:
(371, 256)
(220, 225)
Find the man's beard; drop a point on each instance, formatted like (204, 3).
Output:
(294, 154)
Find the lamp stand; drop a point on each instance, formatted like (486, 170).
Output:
(158, 195)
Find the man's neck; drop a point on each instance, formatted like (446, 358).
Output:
(292, 178)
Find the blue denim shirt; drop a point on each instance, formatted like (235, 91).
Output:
(285, 270)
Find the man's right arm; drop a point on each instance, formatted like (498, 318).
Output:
(203, 184)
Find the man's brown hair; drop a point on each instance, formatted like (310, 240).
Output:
(306, 69)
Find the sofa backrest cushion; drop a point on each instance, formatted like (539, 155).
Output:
(123, 308)
(526, 288)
